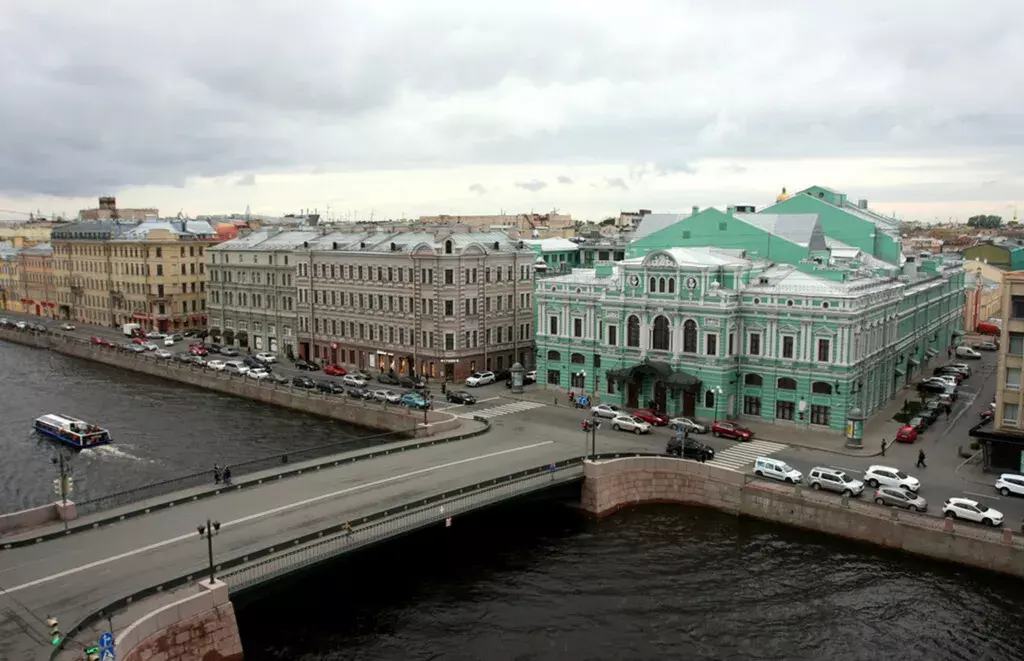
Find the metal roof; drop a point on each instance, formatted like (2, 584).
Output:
(803, 229)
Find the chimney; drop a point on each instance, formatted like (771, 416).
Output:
(696, 210)
(862, 204)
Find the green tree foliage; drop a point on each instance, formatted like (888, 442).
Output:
(985, 222)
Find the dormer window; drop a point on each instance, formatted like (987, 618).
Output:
(448, 247)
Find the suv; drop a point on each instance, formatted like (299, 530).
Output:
(1009, 483)
(689, 449)
(888, 476)
(832, 479)
(731, 430)
(480, 379)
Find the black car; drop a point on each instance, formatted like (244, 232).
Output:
(931, 386)
(689, 448)
(359, 393)
(411, 383)
(277, 378)
(460, 397)
(301, 364)
(303, 382)
(330, 387)
(930, 413)
(252, 362)
(213, 347)
(388, 378)
(919, 423)
(183, 358)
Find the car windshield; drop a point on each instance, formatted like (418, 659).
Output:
(982, 508)
(845, 478)
(636, 419)
(901, 475)
(786, 468)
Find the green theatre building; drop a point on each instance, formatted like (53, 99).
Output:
(794, 314)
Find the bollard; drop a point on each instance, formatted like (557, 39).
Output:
(1007, 536)
(947, 524)
(846, 501)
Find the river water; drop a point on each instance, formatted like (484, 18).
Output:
(539, 582)
(161, 429)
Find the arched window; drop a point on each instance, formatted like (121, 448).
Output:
(661, 285)
(786, 383)
(661, 340)
(633, 331)
(690, 336)
(671, 285)
(577, 358)
(709, 399)
(448, 247)
(821, 388)
(654, 285)
(554, 355)
(753, 380)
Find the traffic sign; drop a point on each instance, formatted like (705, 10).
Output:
(107, 646)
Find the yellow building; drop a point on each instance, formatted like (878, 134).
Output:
(151, 273)
(26, 234)
(39, 293)
(984, 284)
(11, 290)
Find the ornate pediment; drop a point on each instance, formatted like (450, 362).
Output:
(789, 330)
(824, 330)
(660, 259)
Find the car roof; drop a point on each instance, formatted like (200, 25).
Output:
(826, 469)
(884, 468)
(1006, 475)
(956, 500)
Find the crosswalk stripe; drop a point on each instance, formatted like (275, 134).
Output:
(496, 411)
(740, 454)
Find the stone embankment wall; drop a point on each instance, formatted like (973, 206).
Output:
(201, 627)
(357, 412)
(611, 485)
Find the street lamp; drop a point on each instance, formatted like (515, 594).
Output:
(582, 374)
(718, 395)
(208, 531)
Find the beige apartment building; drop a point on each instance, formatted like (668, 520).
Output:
(10, 278)
(441, 304)
(38, 286)
(252, 291)
(521, 222)
(108, 210)
(152, 273)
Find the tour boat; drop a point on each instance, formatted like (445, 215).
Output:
(71, 431)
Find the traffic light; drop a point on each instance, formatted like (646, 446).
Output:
(54, 625)
(56, 486)
(92, 654)
(69, 484)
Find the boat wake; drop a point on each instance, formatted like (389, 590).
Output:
(114, 451)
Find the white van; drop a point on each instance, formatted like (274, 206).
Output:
(236, 367)
(776, 469)
(967, 352)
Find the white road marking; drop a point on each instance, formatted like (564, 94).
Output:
(848, 470)
(456, 406)
(982, 495)
(504, 409)
(744, 452)
(276, 510)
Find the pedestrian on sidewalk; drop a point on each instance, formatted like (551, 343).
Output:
(227, 476)
(572, 398)
(444, 389)
(920, 459)
(948, 410)
(949, 352)
(216, 473)
(883, 447)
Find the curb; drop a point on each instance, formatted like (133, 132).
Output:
(820, 449)
(20, 543)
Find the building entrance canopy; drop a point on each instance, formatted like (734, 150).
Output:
(659, 370)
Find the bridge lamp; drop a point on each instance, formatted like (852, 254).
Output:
(54, 627)
(208, 531)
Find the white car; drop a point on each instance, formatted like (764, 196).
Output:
(629, 423)
(688, 425)
(605, 411)
(216, 365)
(21, 325)
(389, 396)
(149, 346)
(967, 352)
(266, 357)
(67, 327)
(972, 510)
(169, 341)
(945, 378)
(777, 470)
(155, 335)
(530, 377)
(236, 367)
(891, 477)
(1009, 483)
(259, 374)
(353, 380)
(480, 379)
(163, 354)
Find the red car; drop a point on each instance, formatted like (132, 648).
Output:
(906, 434)
(198, 350)
(651, 417)
(139, 340)
(334, 370)
(97, 340)
(731, 430)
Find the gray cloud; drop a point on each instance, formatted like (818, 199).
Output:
(186, 103)
(246, 180)
(562, 179)
(478, 189)
(667, 168)
(533, 186)
(615, 182)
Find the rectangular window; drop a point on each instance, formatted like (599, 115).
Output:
(1017, 307)
(449, 277)
(449, 341)
(1011, 413)
(732, 343)
(553, 326)
(449, 307)
(824, 351)
(784, 410)
(787, 346)
(1013, 378)
(752, 405)
(577, 328)
(1016, 344)
(821, 415)
(755, 344)
(712, 344)
(613, 336)
(554, 378)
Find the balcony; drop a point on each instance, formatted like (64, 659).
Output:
(158, 298)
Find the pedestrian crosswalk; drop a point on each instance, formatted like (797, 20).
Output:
(495, 411)
(739, 455)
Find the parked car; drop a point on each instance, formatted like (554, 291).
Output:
(605, 411)
(67, 327)
(689, 449)
(97, 340)
(236, 367)
(353, 380)
(918, 423)
(330, 387)
(387, 378)
(163, 354)
(530, 377)
(480, 379)
(359, 393)
(414, 400)
(182, 357)
(363, 374)
(906, 434)
(932, 386)
(334, 370)
(460, 397)
(967, 352)
(1009, 483)
(726, 429)
(198, 350)
(155, 335)
(412, 383)
(258, 373)
(301, 364)
(230, 352)
(266, 357)
(930, 414)
(986, 346)
(888, 476)
(389, 396)
(277, 378)
(972, 510)
(303, 382)
(216, 365)
(148, 346)
(896, 497)
(652, 417)
(833, 479)
(688, 425)
(963, 368)
(630, 423)
(777, 470)
(133, 348)
(957, 375)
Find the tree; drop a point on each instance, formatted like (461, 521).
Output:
(985, 222)
(608, 221)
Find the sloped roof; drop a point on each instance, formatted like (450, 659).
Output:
(553, 245)
(697, 257)
(803, 229)
(655, 222)
(787, 279)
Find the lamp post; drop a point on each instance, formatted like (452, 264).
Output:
(208, 531)
(718, 395)
(582, 374)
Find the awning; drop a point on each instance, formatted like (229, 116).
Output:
(914, 362)
(931, 353)
(900, 372)
(659, 370)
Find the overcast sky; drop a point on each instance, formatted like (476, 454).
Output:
(435, 106)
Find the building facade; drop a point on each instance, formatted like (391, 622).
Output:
(760, 316)
(984, 293)
(442, 304)
(11, 291)
(152, 273)
(39, 292)
(252, 289)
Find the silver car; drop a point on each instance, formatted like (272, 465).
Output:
(630, 423)
(900, 498)
(833, 479)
